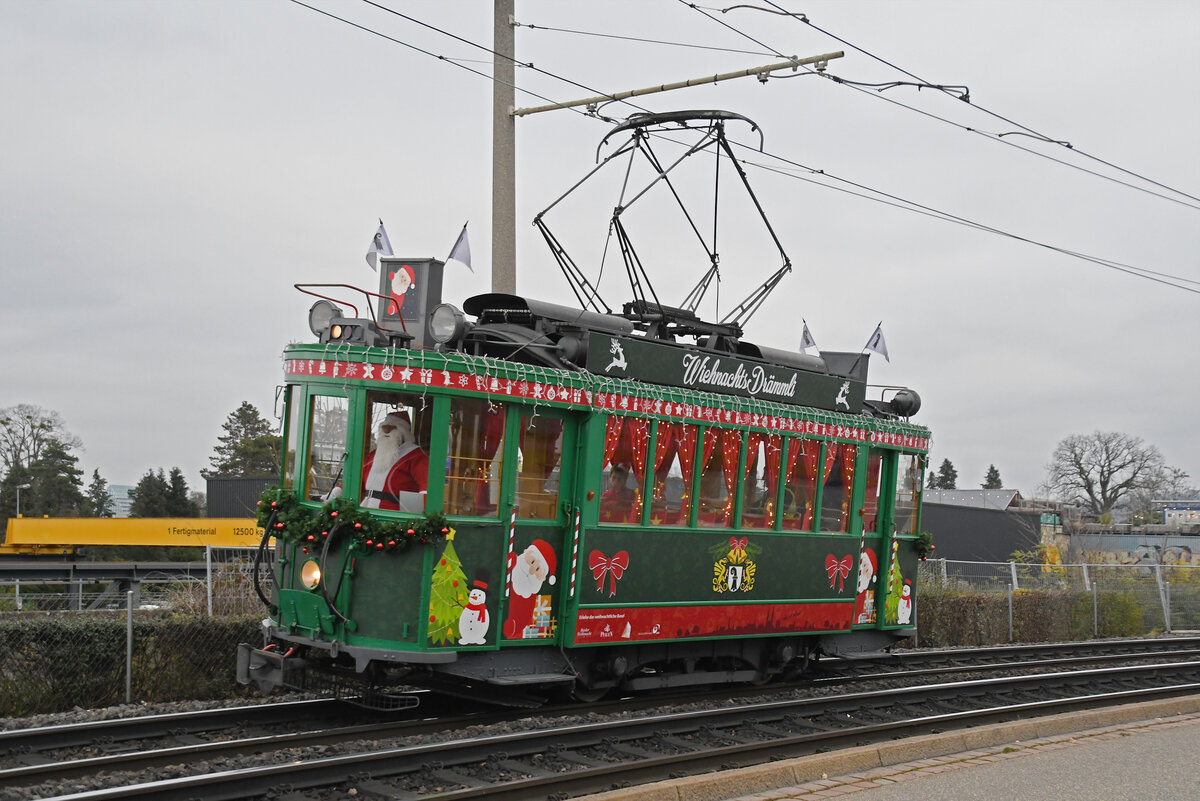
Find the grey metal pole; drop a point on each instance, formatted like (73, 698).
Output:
(1010, 613)
(1095, 611)
(1167, 604)
(129, 647)
(504, 151)
(208, 576)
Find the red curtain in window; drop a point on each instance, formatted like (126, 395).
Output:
(871, 507)
(685, 446)
(731, 451)
(637, 432)
(612, 438)
(849, 452)
(773, 451)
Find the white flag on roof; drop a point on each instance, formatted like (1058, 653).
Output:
(878, 344)
(379, 244)
(807, 341)
(462, 249)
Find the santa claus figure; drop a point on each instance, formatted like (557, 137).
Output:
(402, 281)
(904, 605)
(474, 620)
(396, 473)
(526, 574)
(864, 603)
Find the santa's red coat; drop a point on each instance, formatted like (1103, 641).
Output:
(410, 473)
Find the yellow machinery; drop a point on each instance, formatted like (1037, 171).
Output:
(61, 535)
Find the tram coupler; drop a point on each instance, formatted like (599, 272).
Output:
(265, 668)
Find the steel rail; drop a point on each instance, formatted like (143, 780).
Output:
(861, 713)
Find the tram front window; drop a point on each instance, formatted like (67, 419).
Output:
(327, 445)
(395, 470)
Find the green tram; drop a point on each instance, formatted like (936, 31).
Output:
(591, 508)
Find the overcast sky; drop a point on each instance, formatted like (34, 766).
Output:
(171, 168)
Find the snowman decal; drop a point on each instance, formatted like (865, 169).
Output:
(402, 280)
(474, 620)
(904, 606)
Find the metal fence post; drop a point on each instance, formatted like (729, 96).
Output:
(1167, 604)
(1010, 612)
(1012, 568)
(208, 574)
(129, 647)
(1095, 612)
(18, 599)
(1087, 583)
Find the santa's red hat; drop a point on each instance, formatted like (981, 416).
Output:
(404, 268)
(867, 552)
(546, 553)
(398, 418)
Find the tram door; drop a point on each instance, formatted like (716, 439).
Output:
(539, 463)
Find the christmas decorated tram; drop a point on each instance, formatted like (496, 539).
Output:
(516, 498)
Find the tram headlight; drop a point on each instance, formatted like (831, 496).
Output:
(446, 323)
(321, 315)
(310, 574)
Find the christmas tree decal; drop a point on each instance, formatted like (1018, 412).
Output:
(894, 586)
(447, 595)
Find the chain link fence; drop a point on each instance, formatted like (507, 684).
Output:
(979, 603)
(82, 645)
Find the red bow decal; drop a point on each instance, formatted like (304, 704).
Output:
(837, 570)
(614, 568)
(738, 547)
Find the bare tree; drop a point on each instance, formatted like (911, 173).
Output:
(1102, 470)
(26, 430)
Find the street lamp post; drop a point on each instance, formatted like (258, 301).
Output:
(19, 488)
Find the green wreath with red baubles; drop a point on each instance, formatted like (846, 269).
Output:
(284, 517)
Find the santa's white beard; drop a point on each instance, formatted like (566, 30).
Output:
(389, 447)
(524, 583)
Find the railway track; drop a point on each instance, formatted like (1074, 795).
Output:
(568, 757)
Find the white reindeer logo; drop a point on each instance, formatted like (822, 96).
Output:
(618, 359)
(843, 396)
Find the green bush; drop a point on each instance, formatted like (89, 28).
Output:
(54, 662)
(949, 616)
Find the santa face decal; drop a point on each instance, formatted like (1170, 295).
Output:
(402, 280)
(529, 612)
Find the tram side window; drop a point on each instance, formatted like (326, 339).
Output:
(475, 457)
(762, 480)
(874, 482)
(395, 447)
(838, 487)
(538, 467)
(674, 461)
(623, 469)
(908, 493)
(326, 446)
(294, 415)
(719, 477)
(800, 490)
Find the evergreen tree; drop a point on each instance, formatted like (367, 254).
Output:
(178, 501)
(992, 479)
(17, 476)
(947, 476)
(247, 448)
(97, 502)
(57, 483)
(149, 497)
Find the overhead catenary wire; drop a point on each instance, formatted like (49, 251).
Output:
(894, 200)
(998, 137)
